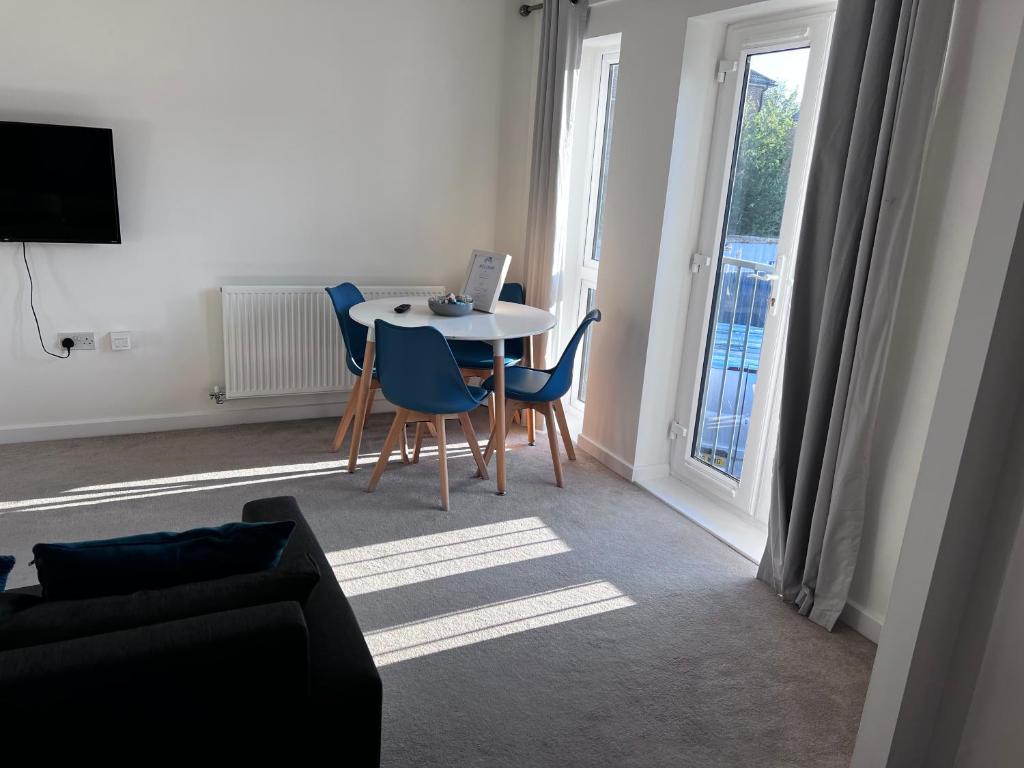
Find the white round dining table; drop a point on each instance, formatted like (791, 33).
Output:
(509, 321)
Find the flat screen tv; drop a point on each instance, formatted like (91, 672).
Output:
(57, 184)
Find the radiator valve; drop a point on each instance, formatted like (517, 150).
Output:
(217, 395)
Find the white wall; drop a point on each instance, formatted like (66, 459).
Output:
(992, 735)
(255, 140)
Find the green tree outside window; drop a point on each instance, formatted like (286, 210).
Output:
(762, 163)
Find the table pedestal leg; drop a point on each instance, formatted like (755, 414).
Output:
(363, 393)
(531, 415)
(499, 412)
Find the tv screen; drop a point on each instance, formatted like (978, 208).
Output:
(57, 184)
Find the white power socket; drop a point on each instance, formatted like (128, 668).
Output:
(83, 340)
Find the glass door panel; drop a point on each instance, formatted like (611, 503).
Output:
(748, 259)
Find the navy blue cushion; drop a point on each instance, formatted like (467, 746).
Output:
(157, 560)
(6, 564)
(478, 354)
(522, 383)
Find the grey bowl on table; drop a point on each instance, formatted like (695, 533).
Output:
(457, 309)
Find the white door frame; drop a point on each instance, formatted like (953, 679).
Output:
(742, 40)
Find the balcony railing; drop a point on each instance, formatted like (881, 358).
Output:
(731, 367)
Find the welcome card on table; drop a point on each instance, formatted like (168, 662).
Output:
(486, 276)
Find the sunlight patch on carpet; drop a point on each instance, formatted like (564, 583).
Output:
(489, 622)
(131, 490)
(422, 558)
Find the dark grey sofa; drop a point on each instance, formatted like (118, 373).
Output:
(304, 668)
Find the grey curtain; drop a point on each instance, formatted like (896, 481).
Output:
(877, 105)
(564, 25)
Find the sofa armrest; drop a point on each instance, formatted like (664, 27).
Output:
(345, 688)
(188, 668)
(340, 662)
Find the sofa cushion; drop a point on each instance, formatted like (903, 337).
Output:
(14, 602)
(157, 560)
(185, 679)
(56, 620)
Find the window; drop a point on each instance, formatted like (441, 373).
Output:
(595, 213)
(593, 130)
(581, 388)
(771, 74)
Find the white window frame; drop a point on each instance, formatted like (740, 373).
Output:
(748, 496)
(588, 127)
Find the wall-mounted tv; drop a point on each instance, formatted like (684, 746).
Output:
(57, 184)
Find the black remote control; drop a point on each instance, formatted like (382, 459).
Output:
(402, 308)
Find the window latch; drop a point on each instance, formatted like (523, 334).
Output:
(697, 261)
(725, 67)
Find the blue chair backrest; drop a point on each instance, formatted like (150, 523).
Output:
(344, 297)
(561, 374)
(514, 293)
(418, 371)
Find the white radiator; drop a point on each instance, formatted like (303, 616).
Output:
(285, 340)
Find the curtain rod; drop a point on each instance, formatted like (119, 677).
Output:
(526, 10)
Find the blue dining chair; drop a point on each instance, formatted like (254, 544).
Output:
(418, 373)
(353, 336)
(476, 358)
(542, 391)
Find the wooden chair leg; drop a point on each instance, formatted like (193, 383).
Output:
(490, 411)
(346, 421)
(474, 445)
(489, 448)
(403, 442)
(442, 459)
(490, 441)
(362, 425)
(531, 426)
(563, 427)
(389, 445)
(419, 442)
(366, 388)
(549, 427)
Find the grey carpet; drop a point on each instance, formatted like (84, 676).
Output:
(696, 664)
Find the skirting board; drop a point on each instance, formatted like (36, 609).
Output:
(615, 463)
(862, 621)
(220, 417)
(648, 472)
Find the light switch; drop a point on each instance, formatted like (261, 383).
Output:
(120, 341)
